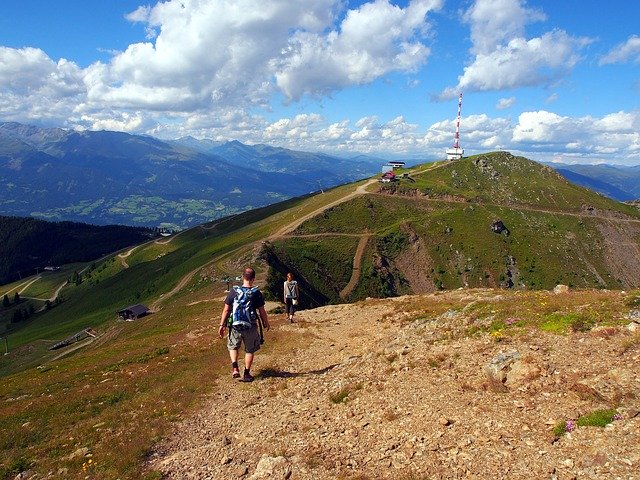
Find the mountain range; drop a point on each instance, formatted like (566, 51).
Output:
(104, 177)
(621, 183)
(111, 177)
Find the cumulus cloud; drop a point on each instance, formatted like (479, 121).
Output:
(495, 21)
(318, 63)
(34, 86)
(615, 134)
(504, 58)
(215, 55)
(627, 52)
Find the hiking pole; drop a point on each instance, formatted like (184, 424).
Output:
(261, 332)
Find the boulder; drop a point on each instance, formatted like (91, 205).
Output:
(499, 366)
(522, 373)
(498, 226)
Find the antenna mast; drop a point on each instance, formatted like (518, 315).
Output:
(456, 152)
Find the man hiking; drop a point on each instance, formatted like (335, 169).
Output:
(240, 313)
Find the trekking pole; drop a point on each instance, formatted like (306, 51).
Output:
(261, 332)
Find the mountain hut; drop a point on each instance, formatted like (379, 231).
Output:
(133, 312)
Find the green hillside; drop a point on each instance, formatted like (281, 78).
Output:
(431, 230)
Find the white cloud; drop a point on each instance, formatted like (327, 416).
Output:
(123, 122)
(615, 135)
(319, 63)
(495, 21)
(505, 103)
(212, 56)
(628, 51)
(504, 58)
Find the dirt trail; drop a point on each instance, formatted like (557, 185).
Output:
(370, 390)
(360, 190)
(357, 265)
(290, 227)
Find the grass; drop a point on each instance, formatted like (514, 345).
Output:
(597, 418)
(573, 321)
(544, 249)
(508, 180)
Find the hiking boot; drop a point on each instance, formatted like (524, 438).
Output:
(236, 373)
(247, 377)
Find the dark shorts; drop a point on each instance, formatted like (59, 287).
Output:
(291, 308)
(250, 338)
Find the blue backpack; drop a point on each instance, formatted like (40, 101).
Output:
(243, 315)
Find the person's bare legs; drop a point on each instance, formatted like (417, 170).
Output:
(234, 361)
(248, 360)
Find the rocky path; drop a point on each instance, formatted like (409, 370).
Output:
(376, 390)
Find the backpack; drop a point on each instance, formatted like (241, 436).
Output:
(243, 315)
(291, 289)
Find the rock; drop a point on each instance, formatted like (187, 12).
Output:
(560, 289)
(444, 421)
(498, 366)
(81, 452)
(521, 373)
(498, 226)
(241, 471)
(634, 315)
(272, 467)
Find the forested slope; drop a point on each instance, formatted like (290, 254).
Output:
(28, 243)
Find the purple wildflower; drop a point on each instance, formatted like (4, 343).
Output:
(510, 321)
(571, 425)
(617, 416)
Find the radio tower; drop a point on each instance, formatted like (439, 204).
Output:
(456, 152)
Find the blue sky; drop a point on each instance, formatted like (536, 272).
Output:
(551, 80)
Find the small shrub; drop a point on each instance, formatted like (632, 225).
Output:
(16, 467)
(582, 325)
(342, 395)
(560, 429)
(631, 343)
(597, 418)
(436, 361)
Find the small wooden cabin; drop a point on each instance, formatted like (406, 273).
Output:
(133, 312)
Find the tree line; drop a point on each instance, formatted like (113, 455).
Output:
(27, 245)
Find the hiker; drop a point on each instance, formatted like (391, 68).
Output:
(291, 294)
(242, 306)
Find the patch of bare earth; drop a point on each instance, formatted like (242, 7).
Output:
(378, 389)
(622, 254)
